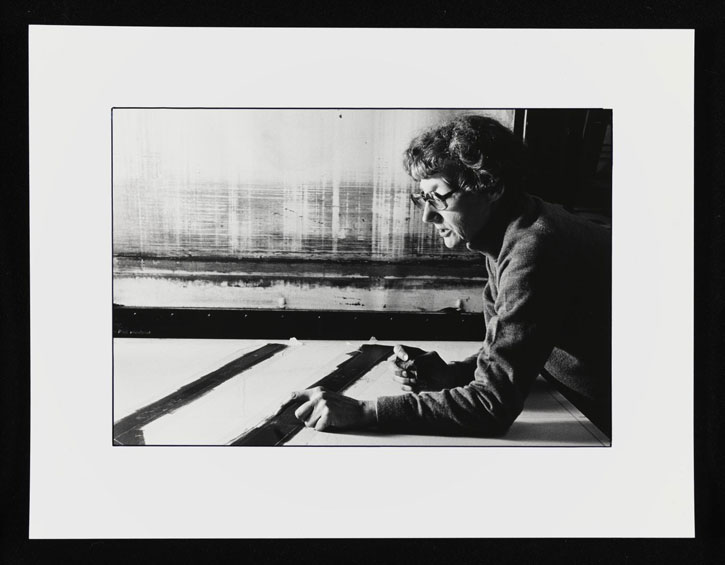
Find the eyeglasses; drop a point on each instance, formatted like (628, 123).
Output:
(436, 201)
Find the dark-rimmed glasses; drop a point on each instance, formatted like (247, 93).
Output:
(436, 201)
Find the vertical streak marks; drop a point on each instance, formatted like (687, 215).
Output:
(253, 183)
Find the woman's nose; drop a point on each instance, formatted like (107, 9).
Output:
(430, 214)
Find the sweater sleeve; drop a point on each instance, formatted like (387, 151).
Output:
(523, 315)
(464, 371)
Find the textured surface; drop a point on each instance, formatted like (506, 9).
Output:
(301, 285)
(268, 183)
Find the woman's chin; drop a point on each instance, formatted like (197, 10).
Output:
(452, 241)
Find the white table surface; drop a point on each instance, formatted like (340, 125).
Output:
(146, 370)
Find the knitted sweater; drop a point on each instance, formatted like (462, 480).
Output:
(547, 305)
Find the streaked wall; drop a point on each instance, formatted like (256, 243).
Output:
(201, 196)
(269, 183)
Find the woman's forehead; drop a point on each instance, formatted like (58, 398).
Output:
(435, 184)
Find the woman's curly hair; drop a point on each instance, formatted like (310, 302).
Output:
(471, 152)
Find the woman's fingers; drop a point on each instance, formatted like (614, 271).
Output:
(314, 417)
(404, 380)
(403, 369)
(303, 412)
(400, 352)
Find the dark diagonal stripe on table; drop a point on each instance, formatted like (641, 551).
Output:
(125, 431)
(283, 426)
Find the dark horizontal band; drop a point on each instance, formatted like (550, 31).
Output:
(202, 323)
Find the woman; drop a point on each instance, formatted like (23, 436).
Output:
(547, 302)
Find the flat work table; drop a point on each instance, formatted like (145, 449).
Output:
(225, 392)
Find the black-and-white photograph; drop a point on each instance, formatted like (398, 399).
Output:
(381, 263)
(362, 277)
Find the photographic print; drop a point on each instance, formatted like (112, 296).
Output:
(352, 276)
(366, 263)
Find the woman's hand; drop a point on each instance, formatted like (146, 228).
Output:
(325, 410)
(418, 370)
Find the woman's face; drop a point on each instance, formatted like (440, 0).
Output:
(465, 216)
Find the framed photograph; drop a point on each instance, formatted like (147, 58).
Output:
(261, 265)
